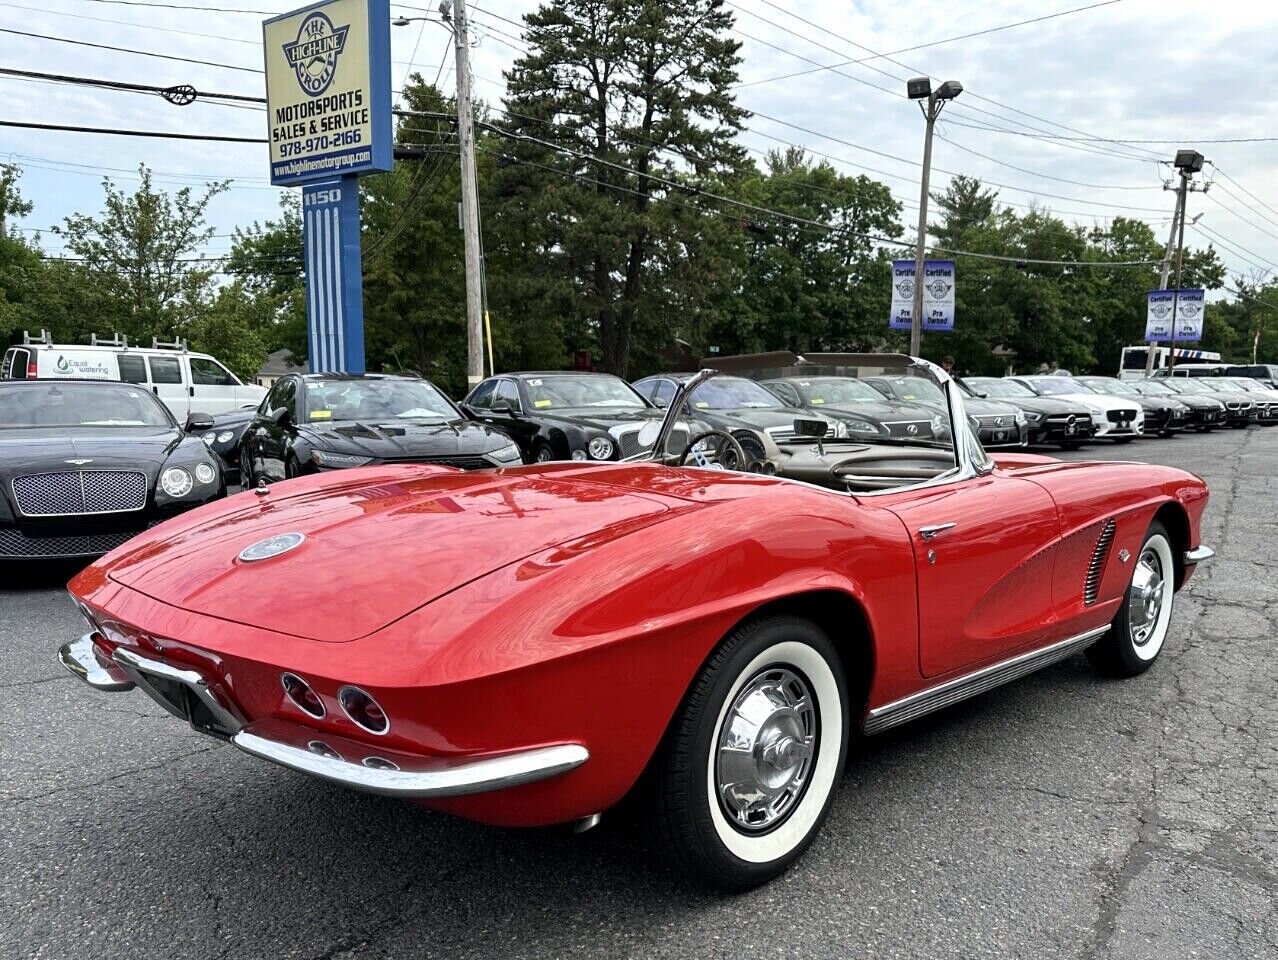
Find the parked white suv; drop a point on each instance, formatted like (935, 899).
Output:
(185, 382)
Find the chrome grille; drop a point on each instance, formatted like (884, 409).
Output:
(908, 428)
(996, 421)
(14, 543)
(89, 491)
(1118, 416)
(460, 462)
(1091, 585)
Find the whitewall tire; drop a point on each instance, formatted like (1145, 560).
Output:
(1143, 621)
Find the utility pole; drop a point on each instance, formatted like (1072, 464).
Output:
(920, 88)
(469, 199)
(1152, 348)
(1187, 163)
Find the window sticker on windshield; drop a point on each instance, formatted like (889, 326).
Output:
(701, 404)
(539, 403)
(817, 400)
(804, 383)
(909, 396)
(321, 414)
(534, 383)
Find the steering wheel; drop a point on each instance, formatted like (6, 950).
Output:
(735, 459)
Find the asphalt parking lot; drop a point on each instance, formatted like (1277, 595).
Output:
(1063, 816)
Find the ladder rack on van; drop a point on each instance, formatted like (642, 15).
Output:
(178, 344)
(119, 340)
(42, 340)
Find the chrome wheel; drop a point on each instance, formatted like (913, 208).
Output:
(766, 750)
(1145, 600)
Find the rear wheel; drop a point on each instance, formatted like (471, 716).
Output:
(752, 759)
(1140, 628)
(542, 452)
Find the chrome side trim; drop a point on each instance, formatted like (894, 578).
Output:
(1198, 555)
(449, 780)
(987, 678)
(79, 657)
(139, 668)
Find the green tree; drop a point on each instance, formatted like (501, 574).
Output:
(636, 90)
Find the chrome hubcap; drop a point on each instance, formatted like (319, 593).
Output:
(1146, 599)
(765, 750)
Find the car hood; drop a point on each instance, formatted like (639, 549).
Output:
(1048, 406)
(756, 418)
(404, 439)
(980, 407)
(601, 418)
(33, 450)
(1098, 401)
(378, 544)
(881, 411)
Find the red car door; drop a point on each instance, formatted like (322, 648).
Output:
(984, 550)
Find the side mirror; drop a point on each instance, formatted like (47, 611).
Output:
(281, 416)
(502, 409)
(811, 428)
(198, 422)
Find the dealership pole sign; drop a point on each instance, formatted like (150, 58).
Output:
(328, 105)
(938, 295)
(1175, 316)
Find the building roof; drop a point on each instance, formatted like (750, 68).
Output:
(280, 363)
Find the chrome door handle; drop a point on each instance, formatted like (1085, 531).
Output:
(932, 531)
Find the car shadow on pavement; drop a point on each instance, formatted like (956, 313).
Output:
(18, 575)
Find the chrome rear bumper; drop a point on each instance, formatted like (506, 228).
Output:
(1198, 555)
(337, 759)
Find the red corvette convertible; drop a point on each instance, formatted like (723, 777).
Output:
(714, 623)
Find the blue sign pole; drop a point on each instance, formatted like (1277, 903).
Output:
(334, 286)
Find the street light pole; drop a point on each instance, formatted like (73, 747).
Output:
(920, 88)
(1152, 347)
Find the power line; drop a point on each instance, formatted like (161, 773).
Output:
(157, 134)
(1123, 140)
(140, 53)
(1046, 176)
(185, 6)
(1229, 193)
(1244, 190)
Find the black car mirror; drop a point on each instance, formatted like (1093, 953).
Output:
(811, 428)
(198, 421)
(502, 409)
(281, 416)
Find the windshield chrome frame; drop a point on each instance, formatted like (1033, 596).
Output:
(970, 458)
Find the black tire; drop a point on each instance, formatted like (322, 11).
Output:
(542, 452)
(1071, 444)
(699, 831)
(1121, 652)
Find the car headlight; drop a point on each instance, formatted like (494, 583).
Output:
(579, 454)
(326, 458)
(600, 448)
(1032, 417)
(205, 473)
(507, 454)
(839, 429)
(226, 436)
(858, 426)
(176, 482)
(208, 438)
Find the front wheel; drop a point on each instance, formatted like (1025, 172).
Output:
(753, 757)
(1140, 628)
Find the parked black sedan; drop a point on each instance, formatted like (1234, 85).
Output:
(1048, 419)
(564, 415)
(1205, 413)
(85, 465)
(223, 438)
(1164, 416)
(997, 424)
(329, 421)
(862, 409)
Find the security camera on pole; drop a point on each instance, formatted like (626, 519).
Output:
(920, 88)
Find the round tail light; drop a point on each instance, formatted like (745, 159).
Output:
(365, 712)
(300, 692)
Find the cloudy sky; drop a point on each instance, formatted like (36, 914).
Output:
(1171, 73)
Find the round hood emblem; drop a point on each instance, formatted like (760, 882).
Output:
(271, 547)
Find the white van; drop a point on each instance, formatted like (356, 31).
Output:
(185, 382)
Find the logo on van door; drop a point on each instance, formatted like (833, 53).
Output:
(63, 366)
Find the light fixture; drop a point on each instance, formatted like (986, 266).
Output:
(920, 88)
(949, 90)
(1188, 161)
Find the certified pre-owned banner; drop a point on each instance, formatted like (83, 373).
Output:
(938, 294)
(1188, 323)
(328, 90)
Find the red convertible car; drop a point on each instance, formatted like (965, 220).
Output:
(527, 645)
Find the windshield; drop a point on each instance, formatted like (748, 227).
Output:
(376, 400)
(589, 390)
(836, 391)
(1057, 386)
(994, 387)
(80, 405)
(1153, 388)
(1224, 386)
(1185, 385)
(1104, 385)
(912, 388)
(733, 393)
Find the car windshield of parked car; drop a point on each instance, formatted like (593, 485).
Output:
(993, 387)
(1116, 387)
(1153, 388)
(376, 400)
(1185, 385)
(68, 404)
(575, 392)
(1059, 386)
(836, 391)
(914, 389)
(733, 393)
(1224, 386)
